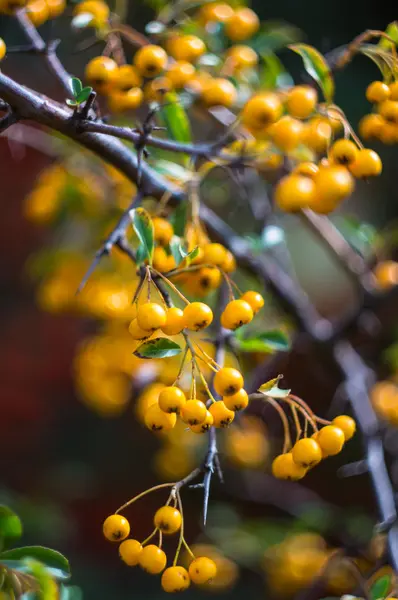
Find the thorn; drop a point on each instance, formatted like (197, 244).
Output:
(386, 525)
(219, 472)
(206, 485)
(91, 269)
(353, 469)
(196, 486)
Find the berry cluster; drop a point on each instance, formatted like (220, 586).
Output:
(382, 124)
(38, 11)
(168, 520)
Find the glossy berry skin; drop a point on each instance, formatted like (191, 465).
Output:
(180, 73)
(175, 321)
(167, 519)
(294, 192)
(101, 72)
(3, 49)
(136, 332)
(172, 399)
(119, 102)
(116, 528)
(161, 261)
(219, 92)
(222, 416)
(205, 425)
(286, 133)
(151, 316)
(152, 559)
(301, 101)
(389, 110)
(99, 10)
(127, 77)
(238, 401)
(157, 420)
(333, 184)
(262, 110)
(202, 569)
(394, 90)
(175, 579)
(55, 8)
(346, 424)
(186, 47)
(317, 134)
(162, 231)
(228, 381)
(236, 314)
(284, 467)
(306, 453)
(331, 440)
(242, 25)
(229, 263)
(129, 552)
(194, 412)
(155, 90)
(208, 278)
(242, 57)
(307, 169)
(370, 126)
(150, 60)
(197, 315)
(214, 254)
(343, 152)
(215, 12)
(37, 11)
(377, 92)
(366, 164)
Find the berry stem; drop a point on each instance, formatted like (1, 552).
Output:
(171, 285)
(182, 365)
(149, 537)
(287, 444)
(152, 489)
(181, 538)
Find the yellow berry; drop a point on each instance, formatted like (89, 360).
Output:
(180, 73)
(346, 424)
(228, 381)
(216, 12)
(262, 110)
(175, 321)
(99, 10)
(284, 467)
(162, 230)
(222, 416)
(286, 133)
(56, 7)
(238, 401)
(366, 164)
(301, 101)
(3, 49)
(136, 332)
(101, 72)
(175, 579)
(394, 90)
(214, 254)
(386, 274)
(243, 24)
(377, 92)
(167, 519)
(171, 399)
(129, 552)
(116, 528)
(127, 77)
(389, 110)
(205, 425)
(37, 11)
(333, 184)
(202, 569)
(194, 412)
(307, 169)
(331, 440)
(242, 57)
(186, 47)
(236, 314)
(294, 192)
(197, 315)
(151, 316)
(343, 152)
(160, 259)
(10, 6)
(229, 263)
(119, 102)
(306, 453)
(155, 90)
(157, 420)
(219, 92)
(150, 60)
(152, 559)
(316, 134)
(208, 278)
(370, 126)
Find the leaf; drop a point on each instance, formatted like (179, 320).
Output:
(272, 389)
(52, 559)
(383, 59)
(76, 86)
(274, 35)
(176, 250)
(269, 341)
(392, 32)
(10, 527)
(143, 227)
(179, 219)
(48, 587)
(380, 588)
(273, 74)
(141, 255)
(361, 236)
(172, 171)
(70, 592)
(191, 256)
(158, 348)
(265, 387)
(84, 94)
(175, 118)
(71, 102)
(317, 67)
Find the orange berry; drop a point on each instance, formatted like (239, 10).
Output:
(150, 60)
(284, 467)
(286, 133)
(222, 416)
(116, 528)
(331, 440)
(214, 254)
(167, 519)
(101, 72)
(216, 12)
(208, 278)
(228, 381)
(129, 552)
(194, 412)
(294, 192)
(394, 90)
(162, 230)
(242, 25)
(157, 420)
(119, 102)
(343, 152)
(366, 164)
(3, 49)
(38, 12)
(152, 559)
(56, 7)
(333, 184)
(219, 92)
(174, 321)
(175, 579)
(202, 569)
(255, 300)
(197, 315)
(127, 77)
(238, 401)
(370, 126)
(307, 169)
(262, 110)
(242, 57)
(229, 263)
(151, 316)
(346, 424)
(236, 314)
(99, 10)
(306, 453)
(180, 73)
(172, 399)
(388, 133)
(389, 110)
(136, 332)
(301, 101)
(155, 90)
(377, 92)
(386, 274)
(160, 259)
(186, 47)
(8, 7)
(205, 425)
(316, 134)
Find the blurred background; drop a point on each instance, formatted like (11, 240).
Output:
(66, 462)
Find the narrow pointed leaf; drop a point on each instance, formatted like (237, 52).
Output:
(175, 119)
(143, 227)
(176, 250)
(317, 67)
(380, 588)
(10, 527)
(158, 348)
(269, 341)
(392, 32)
(265, 387)
(179, 219)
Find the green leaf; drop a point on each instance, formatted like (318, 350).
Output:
(361, 236)
(179, 219)
(76, 86)
(71, 102)
(317, 67)
(143, 227)
(83, 95)
(52, 559)
(268, 385)
(176, 249)
(273, 74)
(158, 348)
(191, 255)
(175, 118)
(70, 592)
(48, 587)
(274, 35)
(392, 32)
(277, 392)
(141, 254)
(382, 58)
(269, 341)
(10, 527)
(380, 588)
(172, 170)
